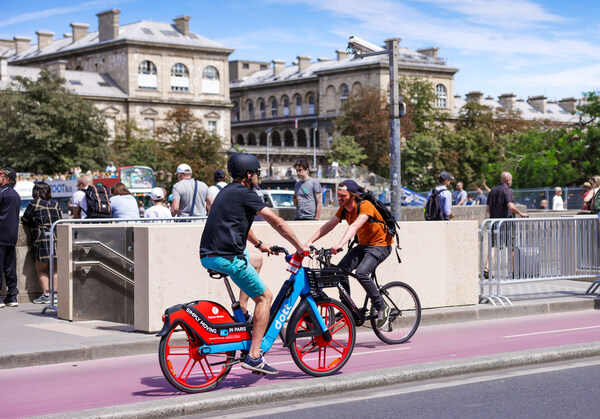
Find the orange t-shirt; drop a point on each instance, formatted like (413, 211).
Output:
(371, 233)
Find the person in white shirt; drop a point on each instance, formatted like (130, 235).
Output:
(78, 199)
(158, 210)
(219, 177)
(557, 201)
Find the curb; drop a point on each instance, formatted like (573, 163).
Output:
(279, 392)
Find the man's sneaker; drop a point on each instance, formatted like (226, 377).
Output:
(1, 303)
(383, 317)
(42, 299)
(258, 365)
(55, 300)
(12, 303)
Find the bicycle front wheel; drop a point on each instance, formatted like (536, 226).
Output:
(185, 368)
(313, 354)
(405, 313)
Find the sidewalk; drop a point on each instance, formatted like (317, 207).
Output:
(32, 338)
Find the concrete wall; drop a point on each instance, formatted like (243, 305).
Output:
(439, 260)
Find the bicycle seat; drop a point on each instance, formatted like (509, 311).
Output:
(216, 275)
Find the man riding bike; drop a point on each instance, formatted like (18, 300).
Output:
(223, 245)
(374, 243)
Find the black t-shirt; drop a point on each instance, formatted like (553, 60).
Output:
(498, 200)
(10, 205)
(229, 221)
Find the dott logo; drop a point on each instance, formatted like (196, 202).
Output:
(285, 311)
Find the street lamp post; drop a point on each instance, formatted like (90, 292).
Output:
(315, 125)
(268, 161)
(362, 48)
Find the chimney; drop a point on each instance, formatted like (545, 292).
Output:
(182, 23)
(108, 25)
(7, 43)
(429, 52)
(341, 54)
(508, 101)
(80, 30)
(58, 69)
(21, 43)
(476, 97)
(303, 62)
(278, 66)
(44, 39)
(569, 104)
(538, 102)
(3, 68)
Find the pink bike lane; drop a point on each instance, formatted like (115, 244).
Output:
(76, 386)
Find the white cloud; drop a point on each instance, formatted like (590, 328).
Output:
(575, 78)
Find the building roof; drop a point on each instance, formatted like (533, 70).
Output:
(82, 83)
(143, 31)
(407, 58)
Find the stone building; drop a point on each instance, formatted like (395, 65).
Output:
(137, 71)
(295, 106)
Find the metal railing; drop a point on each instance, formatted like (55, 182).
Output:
(536, 249)
(97, 221)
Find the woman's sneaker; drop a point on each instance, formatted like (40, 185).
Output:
(258, 365)
(42, 299)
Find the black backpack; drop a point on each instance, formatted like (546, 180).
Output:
(97, 200)
(389, 221)
(595, 204)
(433, 207)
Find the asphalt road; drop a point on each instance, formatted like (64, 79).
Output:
(119, 381)
(558, 390)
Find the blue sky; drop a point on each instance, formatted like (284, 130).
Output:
(500, 46)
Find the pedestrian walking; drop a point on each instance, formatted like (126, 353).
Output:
(10, 205)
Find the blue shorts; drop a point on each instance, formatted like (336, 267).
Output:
(239, 270)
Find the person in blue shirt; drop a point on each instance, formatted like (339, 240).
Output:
(444, 180)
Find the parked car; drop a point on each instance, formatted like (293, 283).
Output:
(278, 198)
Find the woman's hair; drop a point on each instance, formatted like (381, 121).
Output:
(41, 190)
(119, 189)
(596, 180)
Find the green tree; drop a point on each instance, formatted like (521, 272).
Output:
(136, 146)
(45, 128)
(186, 141)
(346, 150)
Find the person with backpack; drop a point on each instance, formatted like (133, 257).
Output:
(373, 237)
(439, 200)
(190, 196)
(91, 201)
(219, 177)
(592, 199)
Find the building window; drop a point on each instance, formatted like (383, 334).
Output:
(274, 108)
(236, 112)
(250, 111)
(311, 105)
(111, 127)
(180, 78)
(212, 127)
(263, 67)
(210, 81)
(147, 78)
(261, 109)
(298, 105)
(286, 107)
(149, 125)
(344, 92)
(245, 66)
(441, 100)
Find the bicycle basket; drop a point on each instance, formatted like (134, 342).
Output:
(324, 278)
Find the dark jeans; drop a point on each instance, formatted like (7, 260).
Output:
(8, 266)
(365, 260)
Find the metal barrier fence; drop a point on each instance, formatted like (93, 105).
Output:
(97, 221)
(518, 250)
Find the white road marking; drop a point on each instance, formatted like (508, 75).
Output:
(552, 331)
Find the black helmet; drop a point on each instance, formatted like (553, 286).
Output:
(240, 163)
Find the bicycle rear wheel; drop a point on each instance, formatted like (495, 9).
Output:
(315, 356)
(184, 367)
(405, 313)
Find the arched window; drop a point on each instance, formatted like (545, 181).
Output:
(262, 139)
(302, 138)
(210, 81)
(261, 109)
(239, 139)
(250, 111)
(276, 139)
(441, 99)
(311, 105)
(288, 138)
(344, 92)
(180, 78)
(274, 108)
(147, 78)
(286, 106)
(251, 139)
(235, 112)
(298, 105)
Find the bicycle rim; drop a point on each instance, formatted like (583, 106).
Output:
(405, 313)
(315, 356)
(185, 368)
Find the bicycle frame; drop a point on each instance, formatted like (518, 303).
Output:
(295, 288)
